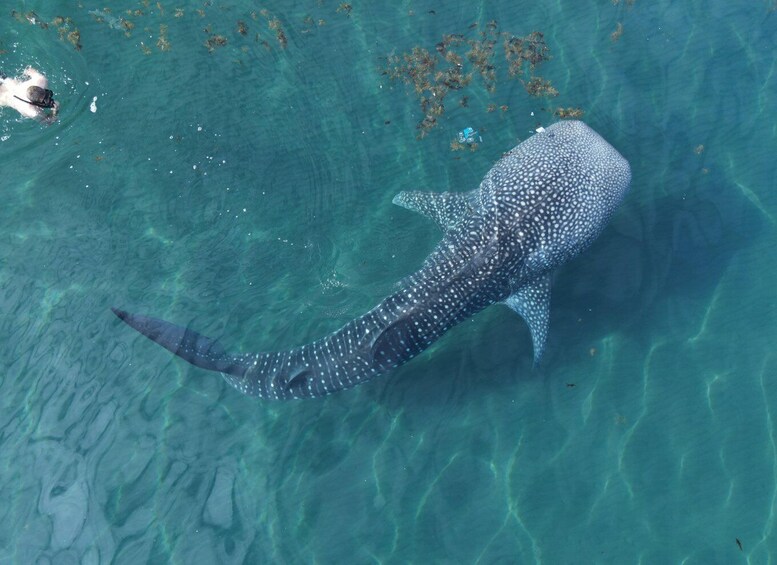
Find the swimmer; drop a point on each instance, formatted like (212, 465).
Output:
(29, 97)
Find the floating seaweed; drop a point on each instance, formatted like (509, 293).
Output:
(74, 37)
(30, 17)
(418, 69)
(119, 23)
(309, 23)
(280, 34)
(66, 30)
(128, 27)
(538, 86)
(162, 42)
(569, 113)
(481, 53)
(616, 35)
(531, 49)
(434, 75)
(456, 145)
(125, 19)
(451, 40)
(214, 40)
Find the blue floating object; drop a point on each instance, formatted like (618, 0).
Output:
(468, 135)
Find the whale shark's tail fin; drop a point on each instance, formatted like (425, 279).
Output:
(191, 346)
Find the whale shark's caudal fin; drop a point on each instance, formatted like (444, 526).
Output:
(195, 348)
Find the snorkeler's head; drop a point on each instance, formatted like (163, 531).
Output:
(40, 97)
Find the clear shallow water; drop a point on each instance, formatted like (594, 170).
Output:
(663, 451)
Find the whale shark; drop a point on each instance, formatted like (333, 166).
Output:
(540, 205)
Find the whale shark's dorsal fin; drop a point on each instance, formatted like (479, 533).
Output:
(532, 303)
(447, 209)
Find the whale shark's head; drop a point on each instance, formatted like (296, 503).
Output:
(600, 167)
(555, 191)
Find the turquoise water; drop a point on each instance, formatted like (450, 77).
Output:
(247, 191)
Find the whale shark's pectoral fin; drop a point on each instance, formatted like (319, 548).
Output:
(447, 209)
(532, 303)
